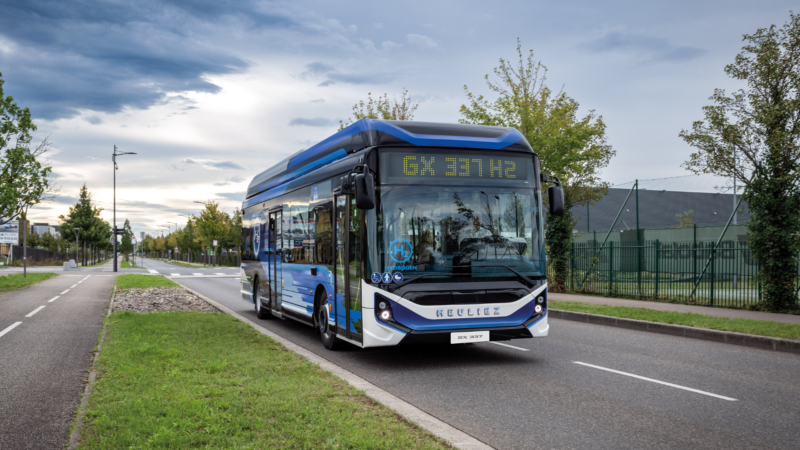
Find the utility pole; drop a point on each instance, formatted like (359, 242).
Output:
(734, 186)
(114, 160)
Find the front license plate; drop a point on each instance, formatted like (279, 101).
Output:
(471, 336)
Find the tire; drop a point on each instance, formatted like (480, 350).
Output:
(327, 337)
(261, 312)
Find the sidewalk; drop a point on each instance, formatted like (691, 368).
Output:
(674, 307)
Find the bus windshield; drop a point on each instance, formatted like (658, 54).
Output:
(461, 232)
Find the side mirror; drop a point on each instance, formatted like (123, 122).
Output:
(556, 196)
(365, 190)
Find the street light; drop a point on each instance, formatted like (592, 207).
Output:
(114, 160)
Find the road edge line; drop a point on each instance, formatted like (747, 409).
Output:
(453, 435)
(77, 431)
(705, 334)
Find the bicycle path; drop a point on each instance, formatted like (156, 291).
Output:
(675, 307)
(48, 332)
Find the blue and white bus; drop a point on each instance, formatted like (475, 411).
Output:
(400, 232)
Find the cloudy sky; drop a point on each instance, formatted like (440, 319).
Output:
(209, 93)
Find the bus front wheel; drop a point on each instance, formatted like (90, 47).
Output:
(261, 312)
(325, 333)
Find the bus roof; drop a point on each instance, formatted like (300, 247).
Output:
(386, 133)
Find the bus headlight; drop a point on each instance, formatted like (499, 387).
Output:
(538, 308)
(383, 309)
(540, 299)
(385, 315)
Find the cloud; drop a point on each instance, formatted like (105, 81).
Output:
(107, 56)
(236, 196)
(333, 76)
(213, 165)
(315, 122)
(319, 100)
(643, 47)
(94, 120)
(421, 41)
(389, 45)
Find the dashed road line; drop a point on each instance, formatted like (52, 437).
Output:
(509, 346)
(74, 286)
(219, 273)
(639, 377)
(198, 274)
(54, 299)
(9, 328)
(65, 292)
(30, 314)
(152, 271)
(175, 274)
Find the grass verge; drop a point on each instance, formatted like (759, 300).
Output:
(192, 380)
(183, 264)
(133, 280)
(126, 265)
(16, 281)
(749, 326)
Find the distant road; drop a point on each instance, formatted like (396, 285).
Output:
(584, 386)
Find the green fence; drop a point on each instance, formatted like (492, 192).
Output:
(667, 271)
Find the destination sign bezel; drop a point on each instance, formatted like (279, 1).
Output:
(420, 165)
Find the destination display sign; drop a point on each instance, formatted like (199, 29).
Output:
(442, 166)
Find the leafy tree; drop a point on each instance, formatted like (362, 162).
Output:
(234, 237)
(382, 108)
(753, 135)
(94, 231)
(569, 146)
(685, 219)
(24, 179)
(126, 244)
(48, 242)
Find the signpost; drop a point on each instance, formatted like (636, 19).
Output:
(214, 260)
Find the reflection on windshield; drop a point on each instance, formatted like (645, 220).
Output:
(461, 230)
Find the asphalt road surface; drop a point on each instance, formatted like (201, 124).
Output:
(584, 386)
(48, 332)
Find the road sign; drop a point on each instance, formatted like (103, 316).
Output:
(141, 234)
(133, 241)
(170, 250)
(215, 242)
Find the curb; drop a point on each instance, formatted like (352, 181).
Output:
(725, 337)
(454, 436)
(75, 436)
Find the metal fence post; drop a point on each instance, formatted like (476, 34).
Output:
(610, 267)
(657, 267)
(713, 263)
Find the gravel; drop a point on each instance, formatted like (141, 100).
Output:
(159, 299)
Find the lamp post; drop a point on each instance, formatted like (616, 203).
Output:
(114, 160)
(188, 250)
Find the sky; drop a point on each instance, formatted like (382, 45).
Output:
(210, 93)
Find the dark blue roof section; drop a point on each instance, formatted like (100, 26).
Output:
(370, 133)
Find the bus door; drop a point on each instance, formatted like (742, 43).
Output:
(275, 260)
(346, 268)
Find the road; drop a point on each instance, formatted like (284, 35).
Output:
(48, 332)
(556, 392)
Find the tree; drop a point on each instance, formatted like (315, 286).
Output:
(571, 147)
(213, 224)
(126, 244)
(84, 215)
(685, 219)
(234, 237)
(383, 108)
(753, 136)
(24, 179)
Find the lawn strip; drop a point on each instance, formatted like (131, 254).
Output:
(141, 281)
(188, 380)
(16, 281)
(126, 265)
(748, 326)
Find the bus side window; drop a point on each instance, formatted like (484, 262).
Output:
(323, 235)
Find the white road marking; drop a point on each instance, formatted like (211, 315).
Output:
(54, 299)
(219, 273)
(9, 328)
(509, 346)
(175, 274)
(697, 391)
(87, 276)
(74, 286)
(35, 311)
(152, 271)
(198, 274)
(65, 292)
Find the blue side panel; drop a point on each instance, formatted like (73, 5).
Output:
(430, 140)
(341, 153)
(300, 287)
(414, 321)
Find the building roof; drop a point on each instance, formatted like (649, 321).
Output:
(386, 133)
(657, 210)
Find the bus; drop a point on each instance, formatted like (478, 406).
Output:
(402, 232)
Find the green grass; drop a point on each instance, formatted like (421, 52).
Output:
(199, 380)
(130, 281)
(183, 264)
(16, 281)
(126, 265)
(749, 326)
